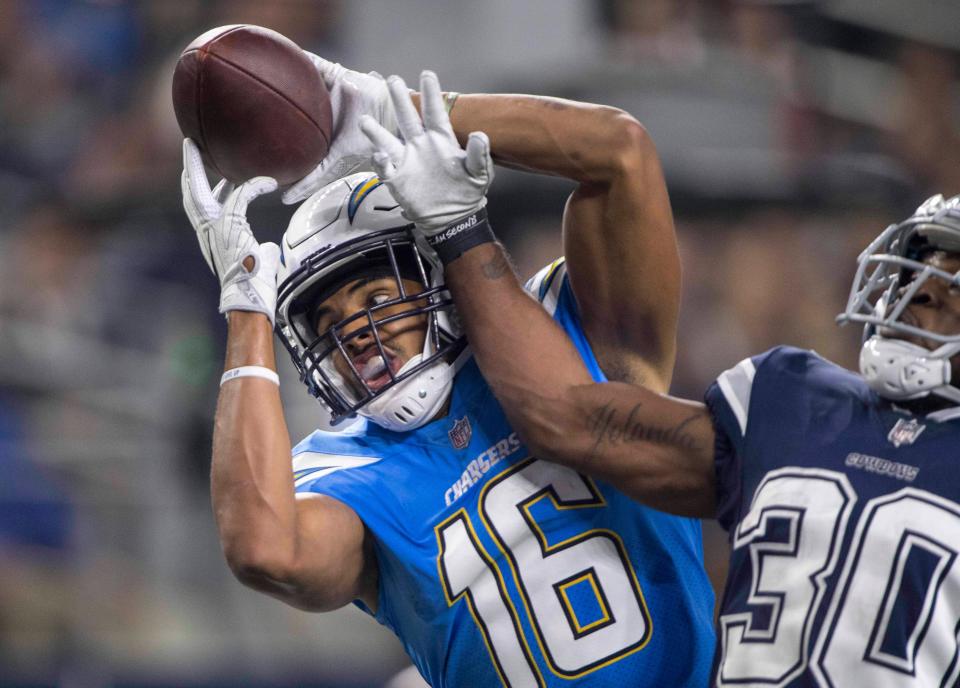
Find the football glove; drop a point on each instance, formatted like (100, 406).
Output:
(435, 181)
(352, 95)
(246, 269)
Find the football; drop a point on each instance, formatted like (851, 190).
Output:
(253, 103)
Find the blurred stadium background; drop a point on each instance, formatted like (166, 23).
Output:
(791, 132)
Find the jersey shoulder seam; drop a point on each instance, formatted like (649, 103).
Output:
(310, 465)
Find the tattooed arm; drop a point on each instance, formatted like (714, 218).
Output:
(651, 446)
(624, 270)
(618, 234)
(656, 448)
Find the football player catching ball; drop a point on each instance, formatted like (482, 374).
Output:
(426, 509)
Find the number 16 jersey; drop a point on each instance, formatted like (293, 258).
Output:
(496, 568)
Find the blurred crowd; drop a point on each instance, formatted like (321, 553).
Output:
(790, 133)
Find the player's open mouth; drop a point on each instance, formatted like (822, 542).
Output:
(374, 370)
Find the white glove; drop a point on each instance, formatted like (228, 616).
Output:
(220, 220)
(435, 180)
(352, 95)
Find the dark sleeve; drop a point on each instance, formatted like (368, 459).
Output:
(726, 458)
(729, 400)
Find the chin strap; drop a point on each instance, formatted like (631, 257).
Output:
(414, 402)
(900, 371)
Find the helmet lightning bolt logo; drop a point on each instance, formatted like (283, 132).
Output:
(359, 193)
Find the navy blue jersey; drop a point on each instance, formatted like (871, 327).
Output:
(844, 520)
(499, 569)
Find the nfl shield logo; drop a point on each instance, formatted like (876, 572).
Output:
(905, 432)
(460, 433)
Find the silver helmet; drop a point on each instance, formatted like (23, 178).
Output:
(345, 230)
(890, 272)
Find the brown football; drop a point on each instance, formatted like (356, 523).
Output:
(253, 103)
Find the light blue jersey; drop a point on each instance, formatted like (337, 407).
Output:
(500, 569)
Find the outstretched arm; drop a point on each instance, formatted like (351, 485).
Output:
(543, 134)
(652, 446)
(618, 231)
(314, 553)
(624, 268)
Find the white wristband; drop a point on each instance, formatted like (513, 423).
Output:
(250, 371)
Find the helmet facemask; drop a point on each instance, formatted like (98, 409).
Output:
(417, 391)
(891, 271)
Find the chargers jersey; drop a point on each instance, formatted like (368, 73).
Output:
(499, 569)
(844, 520)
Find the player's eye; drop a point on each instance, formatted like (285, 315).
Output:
(378, 298)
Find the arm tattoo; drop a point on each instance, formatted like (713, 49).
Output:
(608, 429)
(496, 267)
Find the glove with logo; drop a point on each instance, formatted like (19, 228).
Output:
(352, 95)
(440, 186)
(246, 269)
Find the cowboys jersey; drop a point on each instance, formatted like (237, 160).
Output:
(844, 520)
(499, 569)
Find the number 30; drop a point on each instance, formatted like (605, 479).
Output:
(901, 572)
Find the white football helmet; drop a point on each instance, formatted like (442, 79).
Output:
(890, 272)
(347, 229)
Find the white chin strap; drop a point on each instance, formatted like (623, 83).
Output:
(414, 402)
(899, 370)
